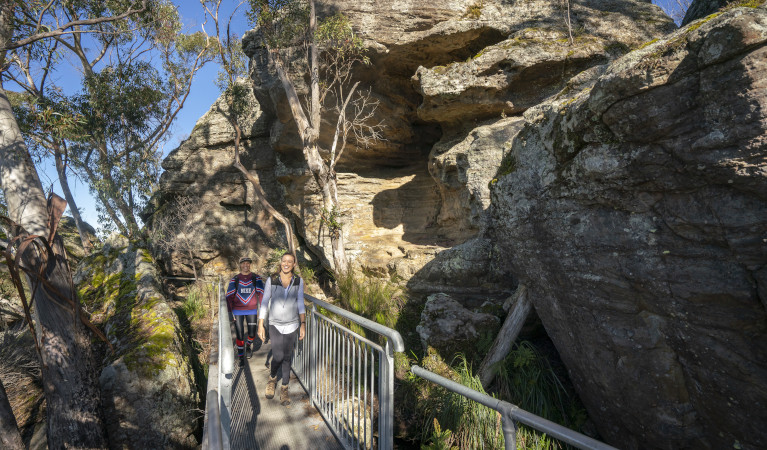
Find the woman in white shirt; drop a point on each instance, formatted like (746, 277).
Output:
(283, 301)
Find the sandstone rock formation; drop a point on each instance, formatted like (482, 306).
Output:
(636, 215)
(72, 242)
(147, 387)
(446, 76)
(227, 224)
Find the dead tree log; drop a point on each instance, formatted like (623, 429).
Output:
(518, 312)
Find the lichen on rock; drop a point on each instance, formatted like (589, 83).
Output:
(147, 385)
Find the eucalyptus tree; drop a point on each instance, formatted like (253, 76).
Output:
(74, 419)
(331, 51)
(136, 77)
(231, 81)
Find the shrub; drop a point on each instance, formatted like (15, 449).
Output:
(193, 305)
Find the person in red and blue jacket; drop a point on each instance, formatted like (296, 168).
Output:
(243, 298)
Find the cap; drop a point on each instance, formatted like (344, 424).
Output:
(245, 258)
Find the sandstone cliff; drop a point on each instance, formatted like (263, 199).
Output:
(627, 192)
(447, 77)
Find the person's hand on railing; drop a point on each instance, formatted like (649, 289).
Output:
(302, 331)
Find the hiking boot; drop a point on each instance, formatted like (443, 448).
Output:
(249, 351)
(284, 398)
(270, 387)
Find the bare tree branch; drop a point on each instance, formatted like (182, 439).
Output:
(75, 23)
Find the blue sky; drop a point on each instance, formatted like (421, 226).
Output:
(204, 92)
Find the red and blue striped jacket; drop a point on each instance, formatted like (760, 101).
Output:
(243, 296)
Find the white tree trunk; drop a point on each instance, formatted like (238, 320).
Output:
(68, 368)
(520, 309)
(18, 177)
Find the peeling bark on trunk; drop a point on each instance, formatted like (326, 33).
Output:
(520, 309)
(9, 430)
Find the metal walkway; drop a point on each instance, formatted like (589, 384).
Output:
(261, 423)
(342, 393)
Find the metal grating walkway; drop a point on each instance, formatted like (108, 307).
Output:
(261, 423)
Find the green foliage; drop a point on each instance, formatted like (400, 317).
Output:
(332, 220)
(336, 34)
(473, 425)
(282, 23)
(440, 440)
(526, 378)
(368, 297)
(138, 71)
(193, 306)
(508, 165)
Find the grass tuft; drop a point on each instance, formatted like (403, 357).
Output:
(465, 423)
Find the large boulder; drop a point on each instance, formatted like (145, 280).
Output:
(636, 215)
(450, 328)
(147, 385)
(701, 8)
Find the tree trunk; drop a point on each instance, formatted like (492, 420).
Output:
(105, 202)
(9, 431)
(520, 309)
(194, 267)
(68, 370)
(62, 171)
(337, 241)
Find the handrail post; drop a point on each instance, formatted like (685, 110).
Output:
(312, 335)
(509, 431)
(226, 353)
(387, 398)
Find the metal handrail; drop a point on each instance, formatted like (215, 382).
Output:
(218, 405)
(511, 413)
(345, 373)
(392, 335)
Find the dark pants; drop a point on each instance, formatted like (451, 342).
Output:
(282, 352)
(240, 322)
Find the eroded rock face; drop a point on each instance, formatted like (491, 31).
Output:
(147, 386)
(228, 222)
(636, 216)
(449, 327)
(446, 77)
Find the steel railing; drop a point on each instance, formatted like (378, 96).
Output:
(512, 413)
(349, 377)
(218, 404)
